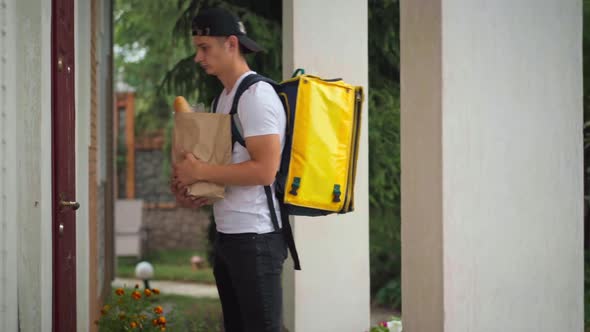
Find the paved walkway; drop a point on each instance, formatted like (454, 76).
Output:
(172, 287)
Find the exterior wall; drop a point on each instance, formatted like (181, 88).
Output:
(32, 188)
(175, 228)
(167, 226)
(8, 222)
(331, 293)
(149, 182)
(25, 164)
(506, 207)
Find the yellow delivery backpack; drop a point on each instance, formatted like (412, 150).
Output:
(318, 165)
(318, 168)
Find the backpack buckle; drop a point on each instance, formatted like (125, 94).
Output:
(295, 186)
(336, 194)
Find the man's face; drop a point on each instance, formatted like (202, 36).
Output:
(213, 53)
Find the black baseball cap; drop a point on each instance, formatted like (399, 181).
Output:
(221, 23)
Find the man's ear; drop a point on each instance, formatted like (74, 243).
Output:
(234, 43)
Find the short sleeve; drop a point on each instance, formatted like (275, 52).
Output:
(261, 111)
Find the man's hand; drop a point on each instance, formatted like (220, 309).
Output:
(188, 171)
(186, 201)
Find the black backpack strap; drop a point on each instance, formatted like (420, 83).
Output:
(271, 206)
(236, 131)
(214, 106)
(236, 127)
(286, 230)
(288, 233)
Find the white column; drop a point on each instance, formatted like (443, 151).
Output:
(492, 179)
(329, 39)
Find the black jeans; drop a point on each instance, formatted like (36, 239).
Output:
(248, 270)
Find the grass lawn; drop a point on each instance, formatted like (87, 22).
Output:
(194, 314)
(168, 265)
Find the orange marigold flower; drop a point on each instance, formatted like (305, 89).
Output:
(147, 292)
(162, 320)
(105, 309)
(159, 310)
(156, 291)
(133, 325)
(120, 291)
(155, 322)
(136, 295)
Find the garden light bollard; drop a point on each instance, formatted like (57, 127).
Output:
(144, 271)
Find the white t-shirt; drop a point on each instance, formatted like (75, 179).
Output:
(245, 208)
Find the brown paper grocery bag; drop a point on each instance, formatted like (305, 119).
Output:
(208, 137)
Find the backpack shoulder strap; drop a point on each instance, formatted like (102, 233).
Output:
(214, 106)
(246, 83)
(236, 126)
(237, 136)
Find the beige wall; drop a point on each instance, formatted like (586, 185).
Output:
(331, 293)
(492, 95)
(8, 146)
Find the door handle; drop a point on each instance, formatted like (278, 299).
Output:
(72, 205)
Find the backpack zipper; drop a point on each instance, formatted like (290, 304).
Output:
(348, 201)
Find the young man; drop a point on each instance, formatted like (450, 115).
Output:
(250, 252)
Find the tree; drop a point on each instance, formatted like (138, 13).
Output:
(144, 50)
(384, 116)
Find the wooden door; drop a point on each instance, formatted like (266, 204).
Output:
(64, 165)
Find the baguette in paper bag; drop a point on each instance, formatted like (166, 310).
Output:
(208, 137)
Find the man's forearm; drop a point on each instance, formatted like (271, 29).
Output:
(248, 173)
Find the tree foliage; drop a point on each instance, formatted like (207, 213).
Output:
(384, 106)
(144, 50)
(384, 152)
